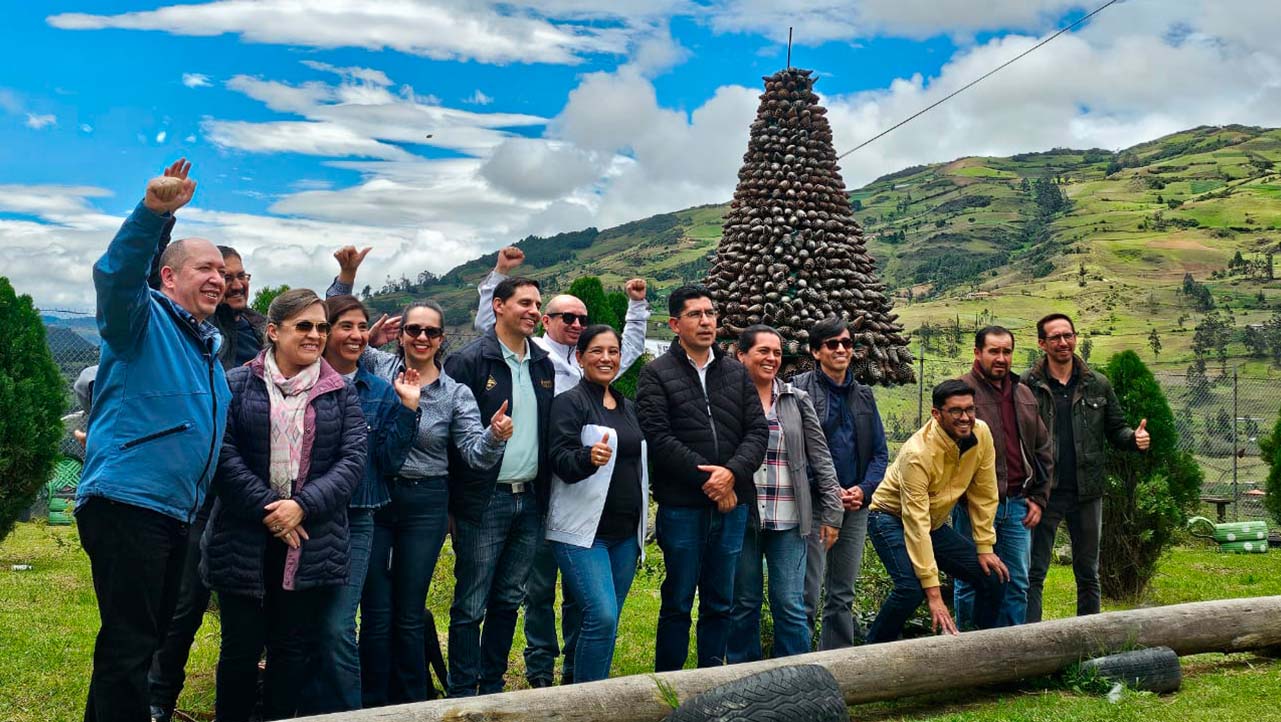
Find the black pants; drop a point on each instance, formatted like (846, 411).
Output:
(284, 623)
(136, 556)
(168, 665)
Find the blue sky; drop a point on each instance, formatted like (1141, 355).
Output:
(308, 128)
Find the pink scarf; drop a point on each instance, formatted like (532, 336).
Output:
(288, 411)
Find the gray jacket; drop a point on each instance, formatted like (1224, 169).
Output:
(802, 431)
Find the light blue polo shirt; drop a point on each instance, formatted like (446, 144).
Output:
(520, 460)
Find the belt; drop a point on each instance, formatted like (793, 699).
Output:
(516, 487)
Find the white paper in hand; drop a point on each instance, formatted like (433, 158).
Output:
(575, 509)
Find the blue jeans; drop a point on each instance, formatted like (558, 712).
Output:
(334, 685)
(953, 554)
(492, 562)
(784, 552)
(600, 576)
(700, 551)
(1014, 547)
(541, 647)
(408, 534)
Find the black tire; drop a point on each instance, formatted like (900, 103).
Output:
(1152, 670)
(804, 693)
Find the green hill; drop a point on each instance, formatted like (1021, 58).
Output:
(1107, 237)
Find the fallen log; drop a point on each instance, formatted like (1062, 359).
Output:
(885, 671)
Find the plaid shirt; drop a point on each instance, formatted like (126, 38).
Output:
(775, 497)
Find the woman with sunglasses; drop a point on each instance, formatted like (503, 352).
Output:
(796, 490)
(391, 412)
(276, 547)
(409, 532)
(599, 498)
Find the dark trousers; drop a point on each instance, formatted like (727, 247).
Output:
(136, 556)
(953, 554)
(168, 665)
(286, 625)
(541, 647)
(1085, 529)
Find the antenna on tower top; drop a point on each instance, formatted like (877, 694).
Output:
(789, 47)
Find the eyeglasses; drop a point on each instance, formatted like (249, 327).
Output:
(414, 330)
(959, 413)
(569, 318)
(242, 277)
(698, 315)
(306, 327)
(1064, 337)
(832, 344)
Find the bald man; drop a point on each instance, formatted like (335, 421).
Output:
(159, 411)
(564, 318)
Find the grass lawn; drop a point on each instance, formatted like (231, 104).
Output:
(48, 619)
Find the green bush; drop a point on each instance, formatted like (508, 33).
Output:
(609, 309)
(1270, 450)
(32, 401)
(267, 294)
(1150, 494)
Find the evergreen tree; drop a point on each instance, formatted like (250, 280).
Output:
(1150, 494)
(267, 294)
(1270, 450)
(33, 396)
(1154, 342)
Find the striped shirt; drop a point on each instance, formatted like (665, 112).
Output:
(775, 496)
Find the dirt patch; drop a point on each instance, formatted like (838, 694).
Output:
(1180, 244)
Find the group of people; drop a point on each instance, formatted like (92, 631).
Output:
(310, 480)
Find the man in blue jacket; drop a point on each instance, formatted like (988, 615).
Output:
(856, 439)
(159, 410)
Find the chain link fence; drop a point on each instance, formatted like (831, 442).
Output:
(1220, 416)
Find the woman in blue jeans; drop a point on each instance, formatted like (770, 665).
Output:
(599, 498)
(776, 533)
(391, 412)
(409, 532)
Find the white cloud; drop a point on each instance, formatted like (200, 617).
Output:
(196, 80)
(189, 139)
(540, 169)
(160, 137)
(86, 128)
(488, 32)
(478, 98)
(10, 102)
(39, 121)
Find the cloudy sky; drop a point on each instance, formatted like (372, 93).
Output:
(438, 130)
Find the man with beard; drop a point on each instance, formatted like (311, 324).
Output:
(950, 457)
(241, 326)
(1024, 471)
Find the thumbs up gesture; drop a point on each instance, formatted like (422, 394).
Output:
(1141, 437)
(501, 424)
(601, 451)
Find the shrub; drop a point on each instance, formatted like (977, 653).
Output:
(611, 309)
(1270, 450)
(264, 297)
(1149, 494)
(33, 399)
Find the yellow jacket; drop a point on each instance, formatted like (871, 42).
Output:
(925, 481)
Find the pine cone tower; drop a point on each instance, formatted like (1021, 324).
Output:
(791, 252)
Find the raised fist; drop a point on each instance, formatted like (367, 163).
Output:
(635, 289)
(508, 259)
(172, 190)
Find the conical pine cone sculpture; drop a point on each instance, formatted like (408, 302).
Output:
(791, 252)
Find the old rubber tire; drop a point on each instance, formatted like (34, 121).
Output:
(804, 693)
(1152, 670)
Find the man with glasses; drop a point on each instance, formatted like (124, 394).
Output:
(856, 438)
(1083, 415)
(564, 319)
(950, 457)
(707, 435)
(1024, 469)
(243, 328)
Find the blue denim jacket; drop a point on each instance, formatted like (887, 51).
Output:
(392, 428)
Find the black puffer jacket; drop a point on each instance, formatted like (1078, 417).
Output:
(686, 427)
(333, 464)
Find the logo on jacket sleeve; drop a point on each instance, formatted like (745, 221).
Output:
(546, 383)
(490, 383)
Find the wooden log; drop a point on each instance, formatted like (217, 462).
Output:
(885, 671)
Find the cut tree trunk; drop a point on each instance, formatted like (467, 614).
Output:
(886, 671)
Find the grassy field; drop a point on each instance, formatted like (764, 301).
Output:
(48, 620)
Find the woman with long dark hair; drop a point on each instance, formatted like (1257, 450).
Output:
(599, 497)
(276, 547)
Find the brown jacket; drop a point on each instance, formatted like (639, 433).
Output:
(1034, 438)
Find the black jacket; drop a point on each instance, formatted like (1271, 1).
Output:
(225, 319)
(480, 366)
(686, 428)
(235, 539)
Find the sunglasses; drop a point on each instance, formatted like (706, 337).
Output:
(832, 344)
(569, 318)
(305, 327)
(414, 330)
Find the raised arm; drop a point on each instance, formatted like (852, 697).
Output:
(508, 259)
(634, 324)
(120, 276)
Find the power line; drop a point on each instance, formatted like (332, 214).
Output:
(976, 81)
